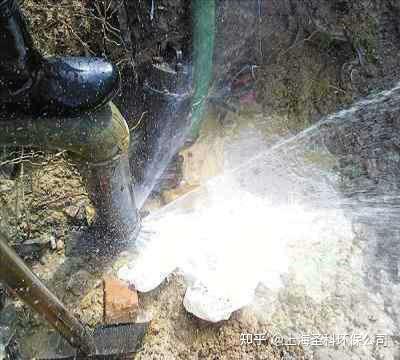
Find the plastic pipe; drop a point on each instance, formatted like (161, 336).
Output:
(203, 13)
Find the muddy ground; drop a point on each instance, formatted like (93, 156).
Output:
(312, 58)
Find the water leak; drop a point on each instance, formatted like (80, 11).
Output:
(304, 232)
(169, 89)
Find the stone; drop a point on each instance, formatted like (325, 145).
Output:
(60, 245)
(121, 302)
(76, 213)
(90, 213)
(53, 243)
(34, 248)
(79, 282)
(71, 211)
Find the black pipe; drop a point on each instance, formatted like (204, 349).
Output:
(99, 141)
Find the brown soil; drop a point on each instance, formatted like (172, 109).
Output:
(304, 73)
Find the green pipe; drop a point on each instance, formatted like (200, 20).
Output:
(203, 50)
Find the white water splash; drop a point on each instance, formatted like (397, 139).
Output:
(226, 240)
(278, 219)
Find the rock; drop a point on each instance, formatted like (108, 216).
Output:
(212, 307)
(78, 282)
(76, 213)
(90, 213)
(71, 211)
(60, 245)
(53, 243)
(120, 302)
(34, 249)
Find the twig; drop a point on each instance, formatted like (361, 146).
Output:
(85, 45)
(52, 201)
(138, 124)
(260, 28)
(28, 157)
(297, 43)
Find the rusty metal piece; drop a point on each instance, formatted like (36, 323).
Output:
(23, 282)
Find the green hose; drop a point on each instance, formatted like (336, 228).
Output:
(203, 51)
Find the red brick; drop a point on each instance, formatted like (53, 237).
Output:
(120, 302)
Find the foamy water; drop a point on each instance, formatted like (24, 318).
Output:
(280, 220)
